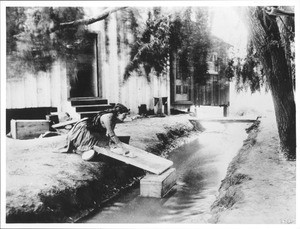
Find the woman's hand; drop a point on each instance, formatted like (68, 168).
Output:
(119, 150)
(122, 151)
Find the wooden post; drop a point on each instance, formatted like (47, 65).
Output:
(159, 106)
(225, 111)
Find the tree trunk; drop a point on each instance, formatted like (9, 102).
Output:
(283, 97)
(267, 41)
(287, 31)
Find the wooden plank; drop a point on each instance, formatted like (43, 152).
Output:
(158, 186)
(63, 124)
(88, 101)
(143, 159)
(26, 129)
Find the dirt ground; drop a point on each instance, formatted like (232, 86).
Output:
(42, 186)
(260, 185)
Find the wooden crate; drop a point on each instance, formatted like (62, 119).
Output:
(27, 129)
(158, 186)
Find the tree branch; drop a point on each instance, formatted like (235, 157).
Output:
(274, 11)
(104, 14)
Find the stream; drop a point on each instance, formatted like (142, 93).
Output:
(200, 167)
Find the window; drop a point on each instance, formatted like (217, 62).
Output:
(185, 89)
(178, 89)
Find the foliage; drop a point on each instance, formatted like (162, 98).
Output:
(190, 38)
(249, 72)
(31, 41)
(150, 49)
(227, 70)
(179, 33)
(15, 18)
(200, 44)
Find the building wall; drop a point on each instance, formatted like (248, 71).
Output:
(214, 93)
(46, 89)
(51, 88)
(182, 90)
(137, 89)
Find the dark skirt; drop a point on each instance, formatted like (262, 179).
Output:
(82, 139)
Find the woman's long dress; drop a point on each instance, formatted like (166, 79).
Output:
(81, 138)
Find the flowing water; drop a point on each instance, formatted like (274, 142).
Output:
(200, 167)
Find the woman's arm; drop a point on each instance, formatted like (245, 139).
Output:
(108, 123)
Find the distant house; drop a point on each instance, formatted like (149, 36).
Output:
(213, 92)
(182, 86)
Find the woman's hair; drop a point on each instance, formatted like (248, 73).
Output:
(121, 108)
(93, 123)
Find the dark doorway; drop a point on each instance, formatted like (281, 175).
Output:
(82, 71)
(83, 85)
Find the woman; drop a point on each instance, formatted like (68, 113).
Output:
(98, 130)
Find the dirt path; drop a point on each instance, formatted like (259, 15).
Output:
(260, 186)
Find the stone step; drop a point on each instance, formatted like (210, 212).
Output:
(88, 101)
(95, 107)
(87, 114)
